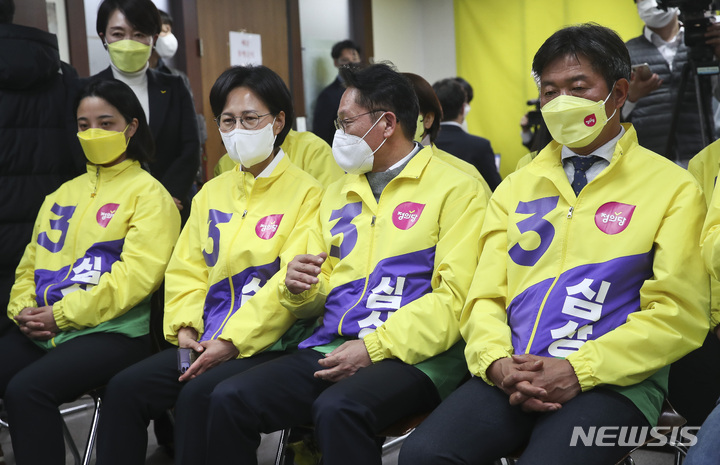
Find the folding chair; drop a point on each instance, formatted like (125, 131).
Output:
(92, 434)
(398, 431)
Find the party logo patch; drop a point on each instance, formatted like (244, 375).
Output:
(268, 226)
(407, 214)
(106, 213)
(614, 217)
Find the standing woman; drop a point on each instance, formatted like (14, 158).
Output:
(129, 29)
(99, 248)
(221, 286)
(428, 127)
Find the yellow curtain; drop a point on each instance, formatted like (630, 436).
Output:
(495, 44)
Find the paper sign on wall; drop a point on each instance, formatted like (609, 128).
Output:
(245, 49)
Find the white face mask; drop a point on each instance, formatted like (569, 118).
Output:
(652, 16)
(166, 46)
(466, 110)
(352, 153)
(249, 147)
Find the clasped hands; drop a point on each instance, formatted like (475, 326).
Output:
(537, 384)
(212, 352)
(37, 322)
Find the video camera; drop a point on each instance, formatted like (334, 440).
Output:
(534, 116)
(695, 21)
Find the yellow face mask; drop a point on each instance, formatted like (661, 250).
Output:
(129, 55)
(419, 129)
(574, 121)
(101, 146)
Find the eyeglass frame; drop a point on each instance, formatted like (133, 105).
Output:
(241, 118)
(340, 123)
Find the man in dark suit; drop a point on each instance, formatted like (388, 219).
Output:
(454, 140)
(343, 53)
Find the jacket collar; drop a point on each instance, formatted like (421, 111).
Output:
(359, 183)
(548, 163)
(107, 173)
(245, 180)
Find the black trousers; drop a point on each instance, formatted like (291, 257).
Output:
(477, 425)
(347, 415)
(34, 382)
(148, 389)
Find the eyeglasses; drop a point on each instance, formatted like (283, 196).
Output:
(341, 124)
(248, 120)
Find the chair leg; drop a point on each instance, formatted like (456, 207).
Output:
(282, 446)
(71, 444)
(398, 440)
(92, 435)
(680, 453)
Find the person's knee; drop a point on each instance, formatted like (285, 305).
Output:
(235, 398)
(123, 387)
(195, 393)
(416, 451)
(334, 406)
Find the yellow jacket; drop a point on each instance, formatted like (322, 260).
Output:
(305, 150)
(99, 249)
(241, 231)
(704, 166)
(463, 166)
(611, 280)
(397, 270)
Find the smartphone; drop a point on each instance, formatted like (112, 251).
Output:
(642, 71)
(185, 358)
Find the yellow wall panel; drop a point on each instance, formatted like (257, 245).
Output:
(495, 44)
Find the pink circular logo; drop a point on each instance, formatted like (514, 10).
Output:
(590, 120)
(407, 214)
(614, 217)
(106, 213)
(268, 226)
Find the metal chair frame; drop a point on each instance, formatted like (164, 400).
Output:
(398, 431)
(92, 434)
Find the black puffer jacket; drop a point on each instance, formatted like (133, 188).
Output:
(652, 116)
(36, 138)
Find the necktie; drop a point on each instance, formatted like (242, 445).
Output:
(581, 164)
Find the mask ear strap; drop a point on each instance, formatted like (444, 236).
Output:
(374, 124)
(610, 93)
(607, 98)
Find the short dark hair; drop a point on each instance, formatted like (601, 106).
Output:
(264, 83)
(428, 101)
(342, 45)
(468, 88)
(381, 87)
(141, 146)
(141, 14)
(452, 97)
(7, 11)
(165, 18)
(606, 51)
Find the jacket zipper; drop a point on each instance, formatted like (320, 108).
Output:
(82, 216)
(563, 256)
(227, 267)
(367, 267)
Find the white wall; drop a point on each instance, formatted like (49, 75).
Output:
(418, 36)
(322, 24)
(57, 24)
